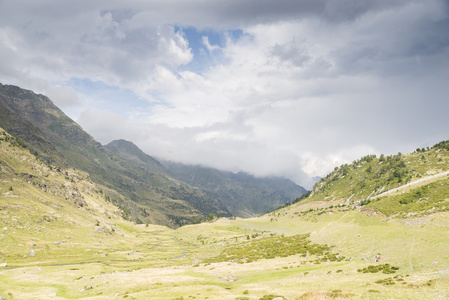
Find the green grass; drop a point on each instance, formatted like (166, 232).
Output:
(432, 197)
(276, 247)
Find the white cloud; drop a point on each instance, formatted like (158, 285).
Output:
(209, 47)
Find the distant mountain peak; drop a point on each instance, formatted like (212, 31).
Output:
(132, 152)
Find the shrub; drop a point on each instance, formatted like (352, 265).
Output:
(385, 268)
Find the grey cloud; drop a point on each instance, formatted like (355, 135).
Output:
(290, 52)
(205, 13)
(348, 10)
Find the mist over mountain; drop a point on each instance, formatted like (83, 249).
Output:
(244, 195)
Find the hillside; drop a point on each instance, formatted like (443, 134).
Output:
(244, 194)
(399, 185)
(131, 152)
(150, 196)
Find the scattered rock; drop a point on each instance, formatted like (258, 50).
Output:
(33, 244)
(57, 242)
(32, 253)
(3, 265)
(101, 229)
(2, 298)
(89, 287)
(5, 228)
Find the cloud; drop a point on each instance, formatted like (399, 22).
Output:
(305, 86)
(209, 47)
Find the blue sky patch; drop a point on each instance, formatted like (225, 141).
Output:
(203, 58)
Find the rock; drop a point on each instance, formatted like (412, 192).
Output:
(3, 265)
(33, 244)
(101, 229)
(52, 294)
(89, 287)
(32, 253)
(278, 298)
(57, 242)
(2, 298)
(5, 228)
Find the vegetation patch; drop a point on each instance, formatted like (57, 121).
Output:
(385, 268)
(273, 247)
(271, 297)
(432, 197)
(334, 294)
(386, 281)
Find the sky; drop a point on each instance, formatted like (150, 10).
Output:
(272, 88)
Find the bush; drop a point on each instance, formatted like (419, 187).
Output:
(385, 268)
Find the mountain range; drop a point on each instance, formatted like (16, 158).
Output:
(149, 191)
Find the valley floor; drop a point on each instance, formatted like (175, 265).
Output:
(155, 262)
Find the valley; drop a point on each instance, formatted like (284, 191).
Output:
(79, 220)
(62, 239)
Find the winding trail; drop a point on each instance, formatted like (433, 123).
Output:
(422, 180)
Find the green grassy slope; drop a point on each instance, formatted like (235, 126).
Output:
(365, 179)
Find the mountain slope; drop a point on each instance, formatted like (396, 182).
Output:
(133, 153)
(244, 194)
(398, 185)
(152, 197)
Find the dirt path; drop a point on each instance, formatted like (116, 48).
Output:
(416, 182)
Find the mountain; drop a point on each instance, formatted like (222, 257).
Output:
(244, 195)
(133, 153)
(150, 196)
